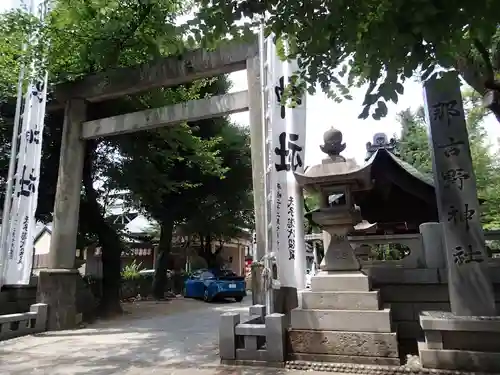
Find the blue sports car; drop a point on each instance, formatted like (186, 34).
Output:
(210, 284)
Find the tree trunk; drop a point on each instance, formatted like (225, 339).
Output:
(164, 248)
(108, 239)
(206, 250)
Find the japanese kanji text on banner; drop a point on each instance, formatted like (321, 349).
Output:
(288, 129)
(18, 230)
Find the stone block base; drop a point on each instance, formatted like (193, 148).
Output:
(340, 300)
(458, 360)
(342, 320)
(460, 343)
(58, 288)
(364, 344)
(338, 281)
(359, 360)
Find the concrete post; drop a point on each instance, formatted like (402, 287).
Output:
(227, 337)
(57, 285)
(275, 337)
(257, 310)
(432, 243)
(258, 139)
(41, 311)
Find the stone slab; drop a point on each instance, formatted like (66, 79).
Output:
(419, 307)
(458, 360)
(492, 269)
(383, 361)
(244, 329)
(446, 321)
(475, 341)
(368, 344)
(392, 275)
(192, 110)
(340, 300)
(336, 281)
(166, 72)
(342, 320)
(414, 293)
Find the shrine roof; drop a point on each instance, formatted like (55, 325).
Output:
(424, 177)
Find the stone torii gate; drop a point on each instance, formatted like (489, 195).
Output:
(57, 285)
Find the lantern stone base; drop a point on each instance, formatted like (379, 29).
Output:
(460, 343)
(341, 320)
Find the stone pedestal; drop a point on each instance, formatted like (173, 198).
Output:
(460, 343)
(285, 301)
(58, 289)
(340, 320)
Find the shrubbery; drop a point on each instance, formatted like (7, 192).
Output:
(135, 283)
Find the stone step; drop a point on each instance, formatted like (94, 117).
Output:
(344, 360)
(342, 320)
(334, 281)
(366, 344)
(340, 300)
(459, 360)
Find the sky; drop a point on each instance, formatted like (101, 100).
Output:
(323, 113)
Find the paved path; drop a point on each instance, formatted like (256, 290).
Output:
(182, 341)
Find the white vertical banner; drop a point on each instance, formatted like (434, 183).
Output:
(19, 237)
(288, 151)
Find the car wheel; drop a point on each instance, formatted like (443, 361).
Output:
(238, 299)
(206, 298)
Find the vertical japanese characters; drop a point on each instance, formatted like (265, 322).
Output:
(279, 197)
(290, 227)
(19, 239)
(456, 178)
(286, 157)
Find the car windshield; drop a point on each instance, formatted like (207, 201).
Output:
(223, 273)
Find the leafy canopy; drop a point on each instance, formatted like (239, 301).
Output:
(414, 149)
(382, 43)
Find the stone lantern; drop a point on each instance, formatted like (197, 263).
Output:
(340, 318)
(335, 179)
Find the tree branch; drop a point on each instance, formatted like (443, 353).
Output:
(486, 58)
(469, 72)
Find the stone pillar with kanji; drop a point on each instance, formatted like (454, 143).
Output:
(470, 289)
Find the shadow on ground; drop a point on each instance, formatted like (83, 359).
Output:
(182, 340)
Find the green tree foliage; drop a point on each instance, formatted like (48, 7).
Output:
(86, 37)
(414, 149)
(380, 43)
(222, 209)
(311, 203)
